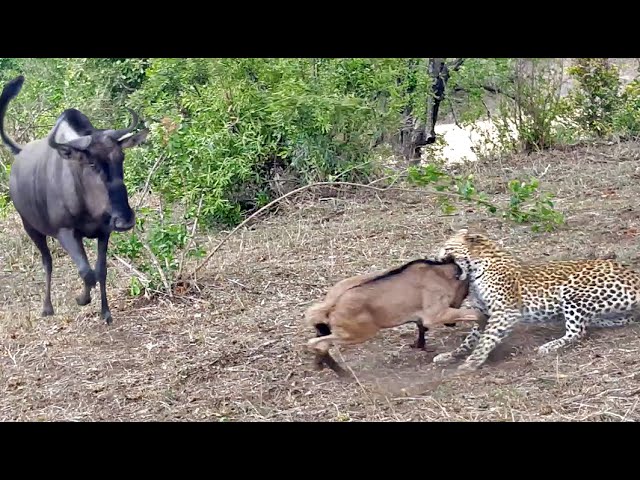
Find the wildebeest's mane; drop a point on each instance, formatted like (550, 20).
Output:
(402, 268)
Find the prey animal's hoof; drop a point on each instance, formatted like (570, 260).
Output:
(47, 311)
(418, 345)
(107, 317)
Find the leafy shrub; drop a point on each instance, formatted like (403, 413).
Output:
(595, 100)
(225, 126)
(526, 203)
(627, 119)
(158, 246)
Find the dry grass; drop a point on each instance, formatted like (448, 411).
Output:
(234, 350)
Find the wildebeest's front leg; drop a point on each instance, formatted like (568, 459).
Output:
(72, 243)
(101, 273)
(420, 341)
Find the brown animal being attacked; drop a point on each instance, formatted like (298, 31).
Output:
(355, 309)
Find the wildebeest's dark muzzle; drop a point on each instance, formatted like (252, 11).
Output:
(122, 216)
(122, 224)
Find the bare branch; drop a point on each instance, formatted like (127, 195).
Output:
(191, 236)
(455, 66)
(488, 88)
(154, 259)
(146, 184)
(307, 187)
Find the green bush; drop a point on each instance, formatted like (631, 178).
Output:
(595, 100)
(229, 135)
(627, 119)
(223, 126)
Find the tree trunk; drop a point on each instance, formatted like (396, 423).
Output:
(414, 135)
(439, 74)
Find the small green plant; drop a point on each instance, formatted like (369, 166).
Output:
(526, 203)
(156, 247)
(542, 214)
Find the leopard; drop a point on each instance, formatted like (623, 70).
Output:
(581, 293)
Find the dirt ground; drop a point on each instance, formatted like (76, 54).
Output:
(234, 350)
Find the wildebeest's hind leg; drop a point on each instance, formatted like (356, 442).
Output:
(320, 346)
(72, 243)
(40, 241)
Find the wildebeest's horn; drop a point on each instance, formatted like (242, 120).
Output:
(118, 134)
(79, 143)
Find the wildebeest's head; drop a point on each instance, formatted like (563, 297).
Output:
(101, 155)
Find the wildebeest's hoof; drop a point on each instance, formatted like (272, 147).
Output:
(83, 299)
(106, 316)
(418, 345)
(47, 311)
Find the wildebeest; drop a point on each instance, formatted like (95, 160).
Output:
(356, 308)
(69, 186)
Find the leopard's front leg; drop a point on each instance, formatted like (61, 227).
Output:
(470, 341)
(465, 348)
(500, 324)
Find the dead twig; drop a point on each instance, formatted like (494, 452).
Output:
(134, 270)
(307, 187)
(148, 181)
(159, 268)
(191, 237)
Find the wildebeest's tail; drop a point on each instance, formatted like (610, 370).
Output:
(317, 316)
(9, 92)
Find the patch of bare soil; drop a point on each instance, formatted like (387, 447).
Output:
(234, 351)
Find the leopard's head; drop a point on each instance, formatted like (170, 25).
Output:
(465, 248)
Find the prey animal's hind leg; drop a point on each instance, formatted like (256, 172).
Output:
(320, 347)
(72, 243)
(345, 330)
(40, 241)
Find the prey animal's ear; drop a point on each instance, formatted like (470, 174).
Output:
(133, 140)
